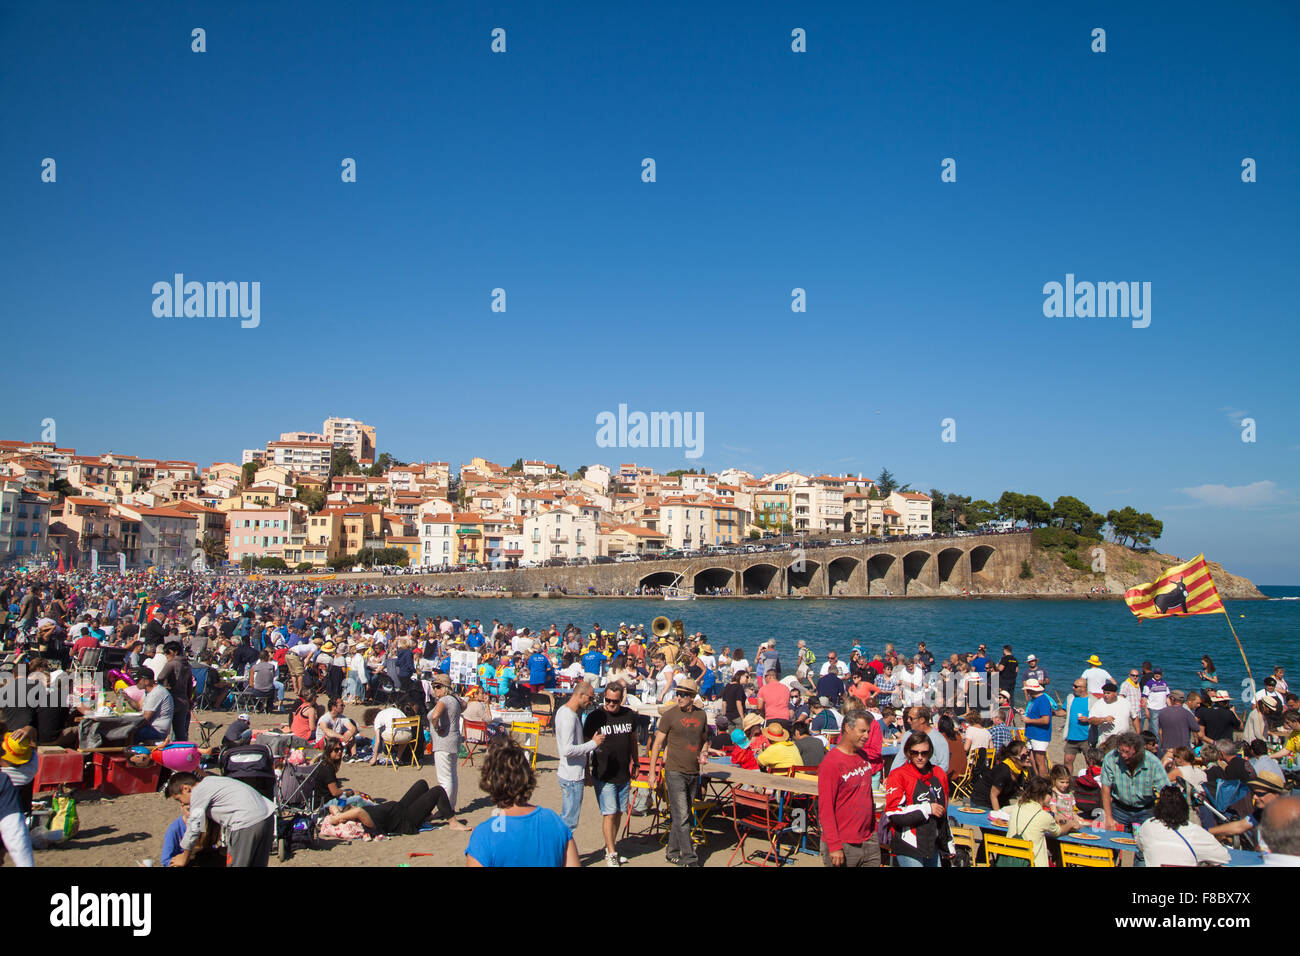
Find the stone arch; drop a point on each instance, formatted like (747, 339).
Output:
(980, 556)
(712, 578)
(758, 578)
(948, 561)
(802, 580)
(915, 564)
(659, 579)
(841, 573)
(878, 568)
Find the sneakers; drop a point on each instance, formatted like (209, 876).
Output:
(613, 859)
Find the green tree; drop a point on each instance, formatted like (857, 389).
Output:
(754, 534)
(1025, 570)
(786, 527)
(247, 472)
(517, 468)
(1148, 529)
(342, 463)
(1037, 511)
(1070, 513)
(303, 567)
(980, 512)
(60, 486)
(888, 484)
(1125, 524)
(276, 564)
(313, 498)
(382, 463)
(1011, 506)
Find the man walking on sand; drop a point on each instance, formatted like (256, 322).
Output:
(573, 752)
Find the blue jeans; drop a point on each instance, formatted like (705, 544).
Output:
(683, 790)
(147, 735)
(571, 803)
(1155, 722)
(1132, 819)
(612, 797)
(911, 862)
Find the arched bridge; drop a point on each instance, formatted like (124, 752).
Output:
(927, 566)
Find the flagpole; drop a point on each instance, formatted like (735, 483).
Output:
(1227, 617)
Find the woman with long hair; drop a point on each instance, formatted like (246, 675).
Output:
(1001, 785)
(916, 807)
(1209, 677)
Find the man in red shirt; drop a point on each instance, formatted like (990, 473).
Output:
(86, 642)
(844, 801)
(775, 699)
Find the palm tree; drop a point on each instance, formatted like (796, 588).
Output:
(214, 550)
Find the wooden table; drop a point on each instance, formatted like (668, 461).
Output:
(727, 773)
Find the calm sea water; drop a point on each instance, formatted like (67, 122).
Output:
(1061, 633)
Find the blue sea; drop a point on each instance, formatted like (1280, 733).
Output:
(1061, 633)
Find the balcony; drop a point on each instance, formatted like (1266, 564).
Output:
(558, 539)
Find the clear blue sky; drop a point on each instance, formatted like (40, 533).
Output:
(775, 170)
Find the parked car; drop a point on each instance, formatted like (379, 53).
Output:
(627, 556)
(836, 541)
(602, 559)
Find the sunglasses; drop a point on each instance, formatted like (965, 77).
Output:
(613, 700)
(919, 753)
(686, 693)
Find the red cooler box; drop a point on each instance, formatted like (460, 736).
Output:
(116, 777)
(58, 767)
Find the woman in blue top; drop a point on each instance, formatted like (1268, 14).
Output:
(518, 834)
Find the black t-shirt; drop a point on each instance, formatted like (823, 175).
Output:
(612, 760)
(234, 733)
(1009, 668)
(1219, 722)
(325, 775)
(734, 696)
(1008, 785)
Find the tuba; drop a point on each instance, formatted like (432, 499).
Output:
(664, 629)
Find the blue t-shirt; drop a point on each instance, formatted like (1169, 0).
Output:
(593, 661)
(539, 838)
(979, 664)
(538, 667)
(474, 640)
(8, 797)
(505, 677)
(1073, 729)
(1040, 706)
(172, 840)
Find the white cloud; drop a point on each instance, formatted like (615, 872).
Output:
(1253, 495)
(1234, 415)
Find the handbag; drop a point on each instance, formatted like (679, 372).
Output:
(1012, 861)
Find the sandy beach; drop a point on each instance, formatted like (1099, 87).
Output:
(123, 831)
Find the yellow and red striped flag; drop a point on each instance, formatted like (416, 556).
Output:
(1182, 590)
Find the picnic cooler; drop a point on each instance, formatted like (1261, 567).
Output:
(59, 767)
(116, 777)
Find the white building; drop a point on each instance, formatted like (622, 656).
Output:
(914, 510)
(301, 457)
(560, 533)
(437, 543)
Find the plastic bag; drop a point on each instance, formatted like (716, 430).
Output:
(64, 818)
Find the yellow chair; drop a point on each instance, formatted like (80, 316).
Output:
(411, 726)
(1072, 854)
(531, 732)
(969, 838)
(996, 846)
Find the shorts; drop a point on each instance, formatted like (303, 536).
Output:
(612, 797)
(1073, 747)
(1038, 746)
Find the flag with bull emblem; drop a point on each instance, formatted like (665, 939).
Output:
(1182, 590)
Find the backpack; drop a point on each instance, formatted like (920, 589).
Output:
(1012, 861)
(1228, 792)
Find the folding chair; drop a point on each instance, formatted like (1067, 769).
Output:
(206, 729)
(1072, 854)
(531, 731)
(967, 837)
(996, 846)
(759, 813)
(543, 707)
(641, 782)
(961, 786)
(388, 741)
(474, 734)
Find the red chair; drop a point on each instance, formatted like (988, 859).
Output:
(474, 734)
(759, 814)
(641, 783)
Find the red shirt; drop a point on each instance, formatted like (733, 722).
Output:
(84, 643)
(845, 806)
(776, 700)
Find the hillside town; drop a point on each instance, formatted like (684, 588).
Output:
(327, 500)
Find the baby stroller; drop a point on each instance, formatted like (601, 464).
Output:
(253, 765)
(296, 810)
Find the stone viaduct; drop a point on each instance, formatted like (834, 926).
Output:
(931, 566)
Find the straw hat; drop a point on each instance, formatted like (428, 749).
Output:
(687, 684)
(775, 733)
(750, 722)
(1095, 661)
(1268, 782)
(1033, 685)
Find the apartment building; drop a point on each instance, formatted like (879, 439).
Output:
(24, 521)
(915, 510)
(356, 436)
(306, 457)
(262, 532)
(560, 533)
(167, 536)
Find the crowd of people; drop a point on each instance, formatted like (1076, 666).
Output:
(921, 727)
